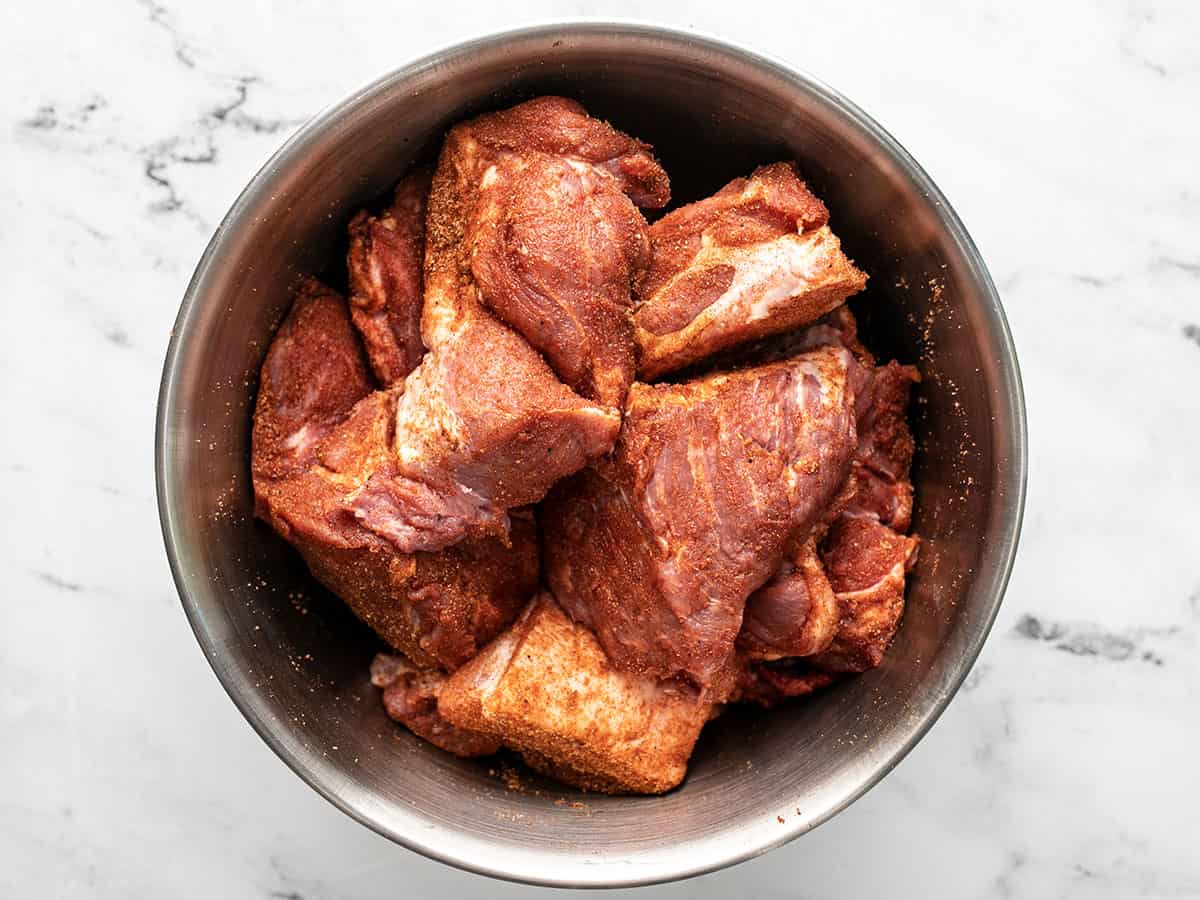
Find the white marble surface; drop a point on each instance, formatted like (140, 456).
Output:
(1067, 137)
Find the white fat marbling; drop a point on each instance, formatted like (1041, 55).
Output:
(1067, 136)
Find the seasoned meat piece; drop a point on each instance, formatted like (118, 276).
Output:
(385, 263)
(532, 213)
(546, 688)
(777, 620)
(866, 563)
(482, 426)
(514, 279)
(410, 696)
(554, 248)
(313, 374)
(880, 484)
(885, 444)
(658, 547)
(885, 448)
(756, 258)
(438, 608)
(793, 614)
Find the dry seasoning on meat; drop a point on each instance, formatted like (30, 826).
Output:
(469, 420)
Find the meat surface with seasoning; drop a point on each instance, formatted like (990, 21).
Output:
(851, 592)
(590, 480)
(658, 547)
(410, 696)
(756, 258)
(547, 689)
(533, 243)
(319, 433)
(386, 267)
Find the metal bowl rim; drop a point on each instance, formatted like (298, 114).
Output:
(428, 843)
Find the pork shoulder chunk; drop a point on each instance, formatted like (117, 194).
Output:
(658, 547)
(534, 216)
(756, 258)
(385, 262)
(546, 688)
(313, 374)
(313, 451)
(796, 613)
(532, 246)
(883, 459)
(482, 426)
(863, 554)
(866, 563)
(410, 696)
(769, 683)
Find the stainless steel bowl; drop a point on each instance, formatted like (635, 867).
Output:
(295, 661)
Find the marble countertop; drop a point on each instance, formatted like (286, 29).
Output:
(1067, 137)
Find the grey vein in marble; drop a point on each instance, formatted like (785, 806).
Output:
(161, 17)
(57, 582)
(1083, 639)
